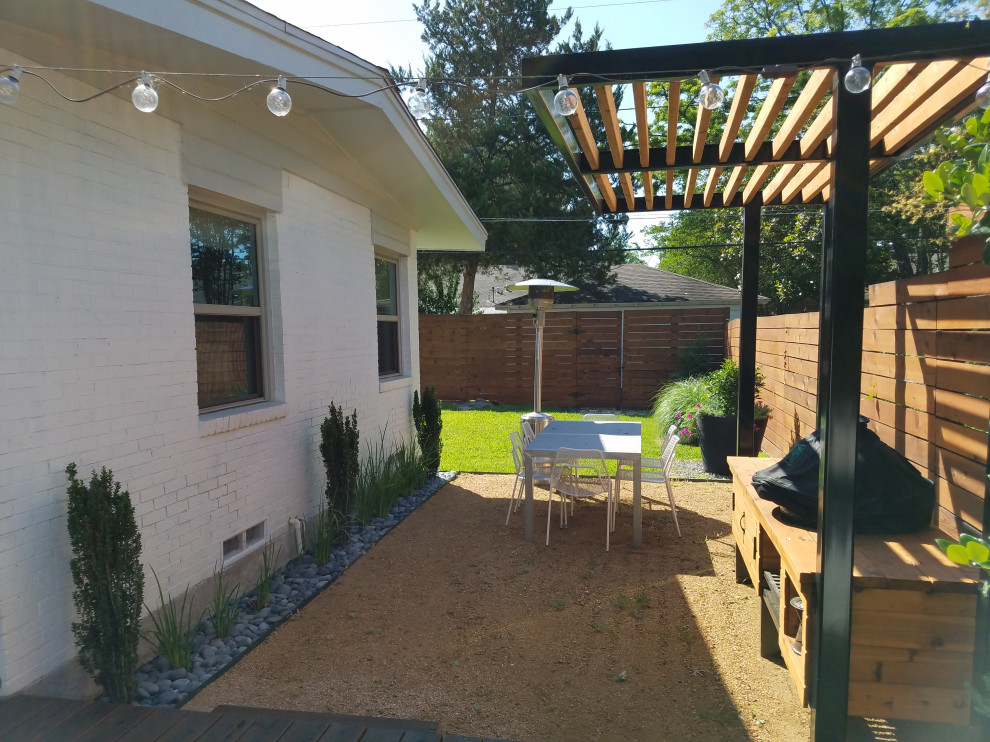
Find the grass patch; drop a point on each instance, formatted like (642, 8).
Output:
(478, 440)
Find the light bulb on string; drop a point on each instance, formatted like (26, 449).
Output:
(858, 78)
(419, 102)
(711, 95)
(565, 103)
(9, 85)
(279, 102)
(983, 94)
(144, 97)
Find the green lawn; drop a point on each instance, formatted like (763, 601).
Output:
(478, 440)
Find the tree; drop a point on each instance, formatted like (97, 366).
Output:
(496, 149)
(905, 234)
(962, 179)
(108, 582)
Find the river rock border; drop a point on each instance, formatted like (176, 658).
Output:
(295, 584)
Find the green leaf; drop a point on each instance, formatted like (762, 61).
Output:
(958, 554)
(981, 188)
(944, 543)
(933, 184)
(978, 553)
(968, 194)
(971, 125)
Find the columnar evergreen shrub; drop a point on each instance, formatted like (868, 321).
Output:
(429, 425)
(108, 581)
(341, 458)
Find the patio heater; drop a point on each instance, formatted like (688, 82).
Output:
(540, 292)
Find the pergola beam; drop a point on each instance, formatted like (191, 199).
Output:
(739, 57)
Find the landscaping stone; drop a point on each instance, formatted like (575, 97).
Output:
(159, 684)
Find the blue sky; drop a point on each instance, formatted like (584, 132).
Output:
(385, 32)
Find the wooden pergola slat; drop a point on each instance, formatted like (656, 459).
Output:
(642, 122)
(701, 128)
(643, 135)
(771, 107)
(673, 110)
(815, 89)
(582, 132)
(792, 187)
(735, 180)
(713, 175)
(610, 118)
(740, 104)
(756, 180)
(913, 95)
(692, 176)
(625, 180)
(946, 96)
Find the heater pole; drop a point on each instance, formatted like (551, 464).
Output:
(539, 320)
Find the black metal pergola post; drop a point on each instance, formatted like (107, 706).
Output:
(745, 440)
(841, 337)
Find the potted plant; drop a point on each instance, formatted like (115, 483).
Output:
(717, 418)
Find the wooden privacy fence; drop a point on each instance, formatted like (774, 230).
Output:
(926, 375)
(616, 359)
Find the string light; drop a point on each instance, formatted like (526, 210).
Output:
(279, 102)
(144, 97)
(9, 86)
(983, 94)
(710, 95)
(419, 102)
(858, 78)
(565, 103)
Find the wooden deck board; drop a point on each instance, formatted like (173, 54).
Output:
(38, 727)
(36, 718)
(19, 709)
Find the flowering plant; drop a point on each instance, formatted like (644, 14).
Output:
(687, 424)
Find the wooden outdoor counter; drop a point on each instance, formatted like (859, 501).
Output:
(914, 611)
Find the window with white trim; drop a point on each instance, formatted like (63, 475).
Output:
(228, 304)
(387, 300)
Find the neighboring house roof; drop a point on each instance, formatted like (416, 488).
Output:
(636, 286)
(378, 149)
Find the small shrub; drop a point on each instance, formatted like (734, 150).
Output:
(108, 581)
(341, 457)
(226, 604)
(328, 528)
(723, 390)
(429, 426)
(269, 563)
(174, 629)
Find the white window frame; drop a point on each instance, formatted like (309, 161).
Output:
(243, 212)
(390, 318)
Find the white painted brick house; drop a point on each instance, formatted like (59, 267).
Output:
(105, 353)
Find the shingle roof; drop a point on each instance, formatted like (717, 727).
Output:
(635, 284)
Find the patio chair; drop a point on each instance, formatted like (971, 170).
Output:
(541, 471)
(654, 470)
(527, 430)
(580, 473)
(601, 416)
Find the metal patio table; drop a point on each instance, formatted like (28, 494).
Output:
(618, 441)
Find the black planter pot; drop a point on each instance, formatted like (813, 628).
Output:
(718, 441)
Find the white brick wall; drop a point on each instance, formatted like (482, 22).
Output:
(98, 366)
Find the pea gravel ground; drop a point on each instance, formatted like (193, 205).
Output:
(454, 618)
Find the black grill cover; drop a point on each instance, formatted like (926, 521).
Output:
(891, 495)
